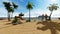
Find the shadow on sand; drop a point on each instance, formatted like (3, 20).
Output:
(53, 26)
(10, 25)
(6, 26)
(7, 23)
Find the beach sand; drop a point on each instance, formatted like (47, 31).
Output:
(25, 28)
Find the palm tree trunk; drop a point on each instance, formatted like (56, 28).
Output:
(12, 15)
(29, 15)
(8, 16)
(50, 15)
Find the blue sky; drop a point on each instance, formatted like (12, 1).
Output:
(39, 8)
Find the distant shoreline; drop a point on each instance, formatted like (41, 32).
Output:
(32, 18)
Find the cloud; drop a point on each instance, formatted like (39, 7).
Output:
(4, 13)
(6, 0)
(56, 13)
(15, 14)
(53, 1)
(49, 1)
(37, 12)
(34, 13)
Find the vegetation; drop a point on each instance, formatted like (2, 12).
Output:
(14, 22)
(51, 8)
(21, 14)
(29, 6)
(9, 8)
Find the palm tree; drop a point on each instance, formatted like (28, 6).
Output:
(9, 8)
(29, 6)
(51, 8)
(14, 7)
(11, 11)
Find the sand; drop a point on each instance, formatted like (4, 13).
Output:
(25, 28)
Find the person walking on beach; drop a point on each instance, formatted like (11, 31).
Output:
(14, 22)
(46, 17)
(42, 17)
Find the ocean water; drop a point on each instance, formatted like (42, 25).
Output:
(32, 18)
(36, 18)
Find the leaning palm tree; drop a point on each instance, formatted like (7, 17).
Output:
(51, 8)
(29, 6)
(7, 6)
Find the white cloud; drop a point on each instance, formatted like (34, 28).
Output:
(53, 1)
(37, 12)
(34, 13)
(56, 13)
(3, 12)
(50, 1)
(6, 0)
(15, 14)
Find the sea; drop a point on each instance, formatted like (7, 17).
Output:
(32, 18)
(36, 18)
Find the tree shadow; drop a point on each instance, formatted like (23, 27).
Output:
(6, 26)
(7, 23)
(11, 24)
(53, 26)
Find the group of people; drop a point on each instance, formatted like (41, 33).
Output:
(45, 17)
(16, 20)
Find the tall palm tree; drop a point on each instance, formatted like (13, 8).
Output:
(52, 7)
(29, 6)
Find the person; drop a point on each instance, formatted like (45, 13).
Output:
(19, 21)
(42, 17)
(14, 22)
(46, 17)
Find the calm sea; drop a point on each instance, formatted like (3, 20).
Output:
(32, 18)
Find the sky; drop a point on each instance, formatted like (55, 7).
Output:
(39, 8)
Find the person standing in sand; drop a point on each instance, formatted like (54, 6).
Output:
(42, 17)
(14, 22)
(46, 17)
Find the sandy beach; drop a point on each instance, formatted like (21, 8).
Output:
(25, 28)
